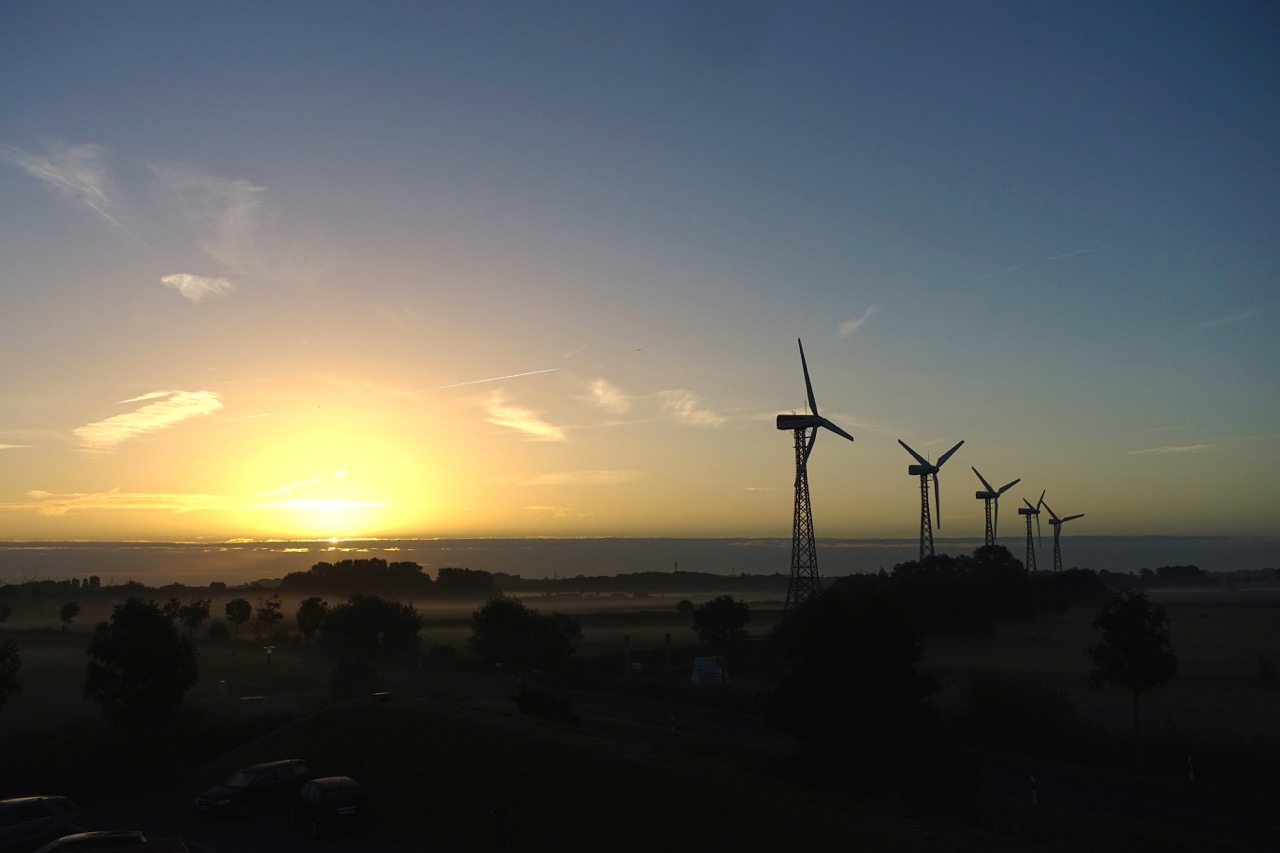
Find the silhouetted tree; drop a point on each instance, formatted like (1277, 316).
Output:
(6, 610)
(310, 616)
(506, 631)
(502, 632)
(68, 613)
(1134, 652)
(684, 606)
(172, 609)
(722, 622)
(366, 624)
(10, 665)
(267, 616)
(140, 667)
(193, 614)
(853, 696)
(239, 611)
(464, 583)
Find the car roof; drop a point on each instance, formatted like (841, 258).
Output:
(336, 782)
(264, 765)
(13, 801)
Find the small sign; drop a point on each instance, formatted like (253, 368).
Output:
(710, 670)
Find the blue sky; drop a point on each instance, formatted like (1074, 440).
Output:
(336, 269)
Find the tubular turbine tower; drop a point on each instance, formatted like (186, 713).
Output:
(924, 471)
(804, 580)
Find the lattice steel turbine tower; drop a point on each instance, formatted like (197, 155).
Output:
(991, 498)
(1056, 523)
(925, 470)
(805, 580)
(1031, 512)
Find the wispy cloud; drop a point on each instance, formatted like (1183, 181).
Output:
(584, 478)
(1227, 321)
(848, 327)
(607, 396)
(472, 382)
(293, 487)
(75, 172)
(12, 446)
(168, 409)
(1168, 451)
(685, 408)
(526, 421)
(49, 503)
(227, 214)
(198, 287)
(1074, 254)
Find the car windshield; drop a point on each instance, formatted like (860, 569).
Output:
(344, 794)
(239, 779)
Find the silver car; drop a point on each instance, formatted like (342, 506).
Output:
(28, 822)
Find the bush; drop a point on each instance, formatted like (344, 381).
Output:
(1020, 715)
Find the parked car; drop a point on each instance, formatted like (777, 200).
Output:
(332, 803)
(114, 841)
(272, 783)
(28, 822)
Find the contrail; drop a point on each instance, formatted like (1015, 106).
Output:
(480, 381)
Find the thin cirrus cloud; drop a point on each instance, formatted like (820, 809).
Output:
(75, 172)
(684, 407)
(49, 503)
(293, 487)
(500, 412)
(163, 409)
(1171, 451)
(848, 327)
(227, 214)
(1219, 322)
(609, 397)
(198, 287)
(584, 478)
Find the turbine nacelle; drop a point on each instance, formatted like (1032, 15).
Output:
(813, 420)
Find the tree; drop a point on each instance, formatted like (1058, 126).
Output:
(721, 621)
(1134, 652)
(193, 613)
(172, 609)
(858, 705)
(367, 624)
(310, 616)
(506, 631)
(69, 611)
(238, 612)
(6, 610)
(140, 667)
(10, 664)
(267, 616)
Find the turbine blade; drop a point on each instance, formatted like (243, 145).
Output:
(808, 386)
(1035, 510)
(985, 484)
(947, 455)
(1039, 535)
(829, 425)
(1052, 515)
(813, 437)
(1070, 517)
(1041, 501)
(1008, 486)
(918, 457)
(937, 501)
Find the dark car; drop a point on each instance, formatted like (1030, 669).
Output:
(114, 841)
(28, 822)
(330, 804)
(260, 786)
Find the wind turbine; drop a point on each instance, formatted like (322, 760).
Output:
(804, 553)
(991, 497)
(925, 470)
(1031, 512)
(1057, 523)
